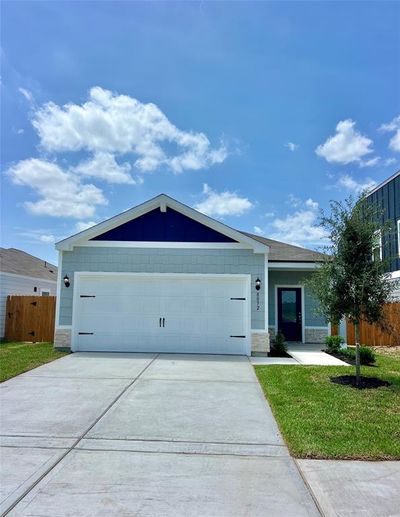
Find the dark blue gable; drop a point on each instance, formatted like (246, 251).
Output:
(169, 226)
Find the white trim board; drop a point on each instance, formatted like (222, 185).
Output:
(294, 266)
(266, 289)
(78, 275)
(162, 275)
(303, 316)
(162, 244)
(59, 280)
(163, 202)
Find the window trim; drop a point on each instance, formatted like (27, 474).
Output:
(398, 237)
(378, 233)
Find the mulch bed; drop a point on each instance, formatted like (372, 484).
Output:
(342, 358)
(346, 359)
(365, 382)
(278, 354)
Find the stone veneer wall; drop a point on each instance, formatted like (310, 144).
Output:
(311, 335)
(316, 335)
(259, 342)
(62, 339)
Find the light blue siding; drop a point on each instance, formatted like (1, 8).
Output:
(170, 260)
(312, 318)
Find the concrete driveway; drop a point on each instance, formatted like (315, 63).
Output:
(150, 435)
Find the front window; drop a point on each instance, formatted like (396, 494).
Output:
(377, 247)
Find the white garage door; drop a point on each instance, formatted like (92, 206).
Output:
(162, 313)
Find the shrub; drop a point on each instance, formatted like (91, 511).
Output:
(333, 344)
(279, 347)
(367, 355)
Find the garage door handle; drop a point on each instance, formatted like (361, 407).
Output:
(163, 322)
(160, 322)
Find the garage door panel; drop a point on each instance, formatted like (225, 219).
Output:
(183, 305)
(109, 286)
(198, 313)
(119, 322)
(121, 303)
(124, 342)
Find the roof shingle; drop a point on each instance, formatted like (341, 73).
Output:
(282, 252)
(19, 262)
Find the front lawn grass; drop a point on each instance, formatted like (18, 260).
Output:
(320, 419)
(16, 358)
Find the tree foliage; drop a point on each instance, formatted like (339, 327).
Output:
(350, 283)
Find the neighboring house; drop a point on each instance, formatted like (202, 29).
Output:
(24, 274)
(162, 277)
(387, 197)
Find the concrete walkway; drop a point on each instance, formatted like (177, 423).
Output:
(145, 435)
(301, 354)
(354, 488)
(313, 355)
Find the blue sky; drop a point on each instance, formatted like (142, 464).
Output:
(255, 113)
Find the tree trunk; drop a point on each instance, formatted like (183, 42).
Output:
(358, 365)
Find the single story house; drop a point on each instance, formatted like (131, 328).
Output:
(24, 274)
(163, 277)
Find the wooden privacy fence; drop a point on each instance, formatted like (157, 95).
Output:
(30, 318)
(372, 335)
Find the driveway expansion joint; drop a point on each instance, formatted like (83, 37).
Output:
(81, 437)
(184, 417)
(307, 484)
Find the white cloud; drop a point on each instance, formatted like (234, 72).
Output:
(348, 182)
(269, 214)
(311, 204)
(104, 167)
(291, 146)
(39, 235)
(20, 131)
(60, 194)
(47, 238)
(393, 126)
(346, 146)
(120, 124)
(389, 161)
(84, 225)
(27, 94)
(300, 228)
(371, 162)
(258, 230)
(222, 204)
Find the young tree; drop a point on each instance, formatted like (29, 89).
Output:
(352, 281)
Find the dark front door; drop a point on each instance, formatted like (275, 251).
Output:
(289, 313)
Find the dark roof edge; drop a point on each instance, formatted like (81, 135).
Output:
(385, 182)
